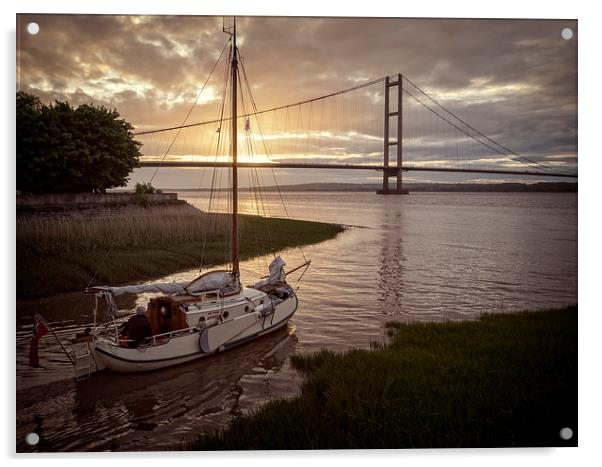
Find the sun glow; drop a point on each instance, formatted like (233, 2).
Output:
(224, 158)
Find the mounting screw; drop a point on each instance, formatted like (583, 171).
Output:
(32, 438)
(33, 28)
(566, 433)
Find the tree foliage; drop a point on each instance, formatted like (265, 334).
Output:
(65, 149)
(146, 189)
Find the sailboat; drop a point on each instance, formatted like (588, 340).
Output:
(189, 321)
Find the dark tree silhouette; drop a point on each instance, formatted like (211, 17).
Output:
(65, 149)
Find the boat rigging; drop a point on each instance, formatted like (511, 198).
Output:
(213, 312)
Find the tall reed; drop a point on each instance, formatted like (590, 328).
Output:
(128, 228)
(62, 253)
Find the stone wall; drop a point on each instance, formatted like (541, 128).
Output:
(74, 201)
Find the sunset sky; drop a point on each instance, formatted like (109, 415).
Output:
(514, 80)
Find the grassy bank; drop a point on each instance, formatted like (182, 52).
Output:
(61, 254)
(505, 380)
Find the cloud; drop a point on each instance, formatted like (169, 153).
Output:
(515, 80)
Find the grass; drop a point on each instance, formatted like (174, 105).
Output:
(504, 380)
(62, 254)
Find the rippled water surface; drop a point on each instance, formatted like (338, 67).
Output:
(425, 256)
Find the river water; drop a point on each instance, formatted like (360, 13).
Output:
(422, 257)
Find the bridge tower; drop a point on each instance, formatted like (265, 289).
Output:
(393, 171)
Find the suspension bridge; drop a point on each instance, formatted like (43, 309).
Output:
(389, 125)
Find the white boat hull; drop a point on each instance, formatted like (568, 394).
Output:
(187, 347)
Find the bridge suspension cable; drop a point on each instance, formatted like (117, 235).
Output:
(260, 112)
(346, 127)
(469, 129)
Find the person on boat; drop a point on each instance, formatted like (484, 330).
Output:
(137, 328)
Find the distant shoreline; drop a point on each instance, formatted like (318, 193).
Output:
(539, 187)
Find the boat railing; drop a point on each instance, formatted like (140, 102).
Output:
(164, 338)
(157, 339)
(207, 300)
(204, 293)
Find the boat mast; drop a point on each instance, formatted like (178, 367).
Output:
(234, 137)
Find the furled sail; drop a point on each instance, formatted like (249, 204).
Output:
(277, 273)
(224, 281)
(157, 287)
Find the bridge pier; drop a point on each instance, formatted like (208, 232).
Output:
(397, 189)
(393, 171)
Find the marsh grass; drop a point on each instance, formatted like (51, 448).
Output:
(503, 380)
(132, 227)
(62, 253)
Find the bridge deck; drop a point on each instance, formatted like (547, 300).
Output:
(391, 169)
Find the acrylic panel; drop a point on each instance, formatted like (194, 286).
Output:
(241, 233)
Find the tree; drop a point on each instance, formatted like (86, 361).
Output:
(146, 189)
(65, 149)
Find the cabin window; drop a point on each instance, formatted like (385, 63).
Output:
(226, 314)
(246, 308)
